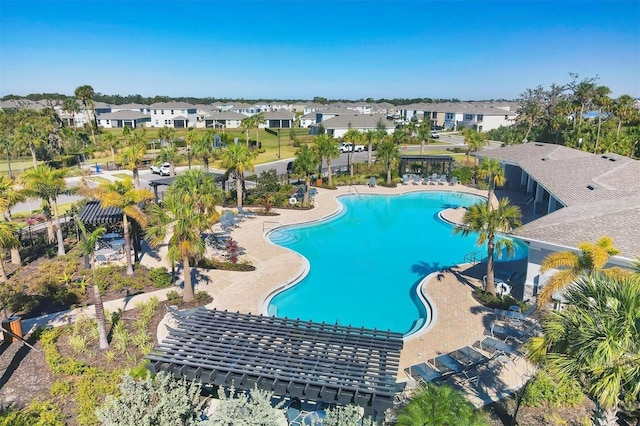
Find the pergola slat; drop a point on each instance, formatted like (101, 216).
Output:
(323, 362)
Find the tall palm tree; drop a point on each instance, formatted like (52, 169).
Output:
(186, 219)
(258, 119)
(167, 134)
(424, 131)
(70, 105)
(327, 148)
(602, 100)
(131, 158)
(474, 141)
(8, 240)
(595, 341)
(9, 197)
(170, 155)
(491, 169)
(387, 153)
(203, 147)
(399, 135)
(486, 222)
(238, 158)
(625, 111)
(111, 140)
(305, 164)
(88, 247)
(85, 95)
(48, 184)
(593, 258)
(199, 187)
(123, 195)
(247, 124)
(353, 136)
(379, 134)
(435, 405)
(32, 131)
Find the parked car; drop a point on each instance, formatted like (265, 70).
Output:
(437, 127)
(163, 170)
(434, 134)
(349, 147)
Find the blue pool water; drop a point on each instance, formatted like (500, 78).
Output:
(367, 261)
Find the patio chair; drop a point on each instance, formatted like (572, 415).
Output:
(372, 182)
(405, 179)
(493, 346)
(443, 180)
(434, 179)
(426, 180)
(423, 373)
(245, 213)
(454, 181)
(448, 364)
(416, 179)
(469, 355)
(505, 333)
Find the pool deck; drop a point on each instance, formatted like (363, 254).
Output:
(458, 319)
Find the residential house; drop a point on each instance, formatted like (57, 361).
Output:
(223, 120)
(313, 107)
(574, 197)
(123, 118)
(266, 106)
(281, 119)
(338, 125)
(334, 111)
(246, 109)
(179, 115)
(132, 107)
(477, 117)
(308, 119)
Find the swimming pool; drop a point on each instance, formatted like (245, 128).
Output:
(366, 262)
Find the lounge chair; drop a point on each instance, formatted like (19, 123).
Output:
(434, 179)
(372, 182)
(244, 213)
(505, 333)
(416, 179)
(426, 180)
(447, 364)
(454, 181)
(468, 356)
(442, 180)
(423, 373)
(491, 346)
(405, 179)
(233, 220)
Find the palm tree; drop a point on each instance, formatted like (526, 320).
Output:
(85, 95)
(305, 164)
(474, 141)
(595, 341)
(247, 124)
(353, 136)
(602, 100)
(258, 119)
(123, 195)
(88, 247)
(238, 158)
(491, 169)
(593, 258)
(369, 136)
(8, 240)
(327, 148)
(170, 155)
(32, 131)
(166, 134)
(71, 106)
(111, 140)
(186, 218)
(379, 134)
(486, 222)
(435, 405)
(48, 184)
(399, 135)
(199, 187)
(424, 131)
(131, 158)
(625, 111)
(387, 153)
(9, 197)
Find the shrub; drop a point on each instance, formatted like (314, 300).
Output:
(60, 388)
(249, 409)
(160, 277)
(345, 415)
(173, 296)
(202, 296)
(544, 390)
(161, 400)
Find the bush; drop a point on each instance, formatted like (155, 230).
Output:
(464, 174)
(202, 296)
(225, 266)
(544, 390)
(248, 409)
(160, 277)
(173, 296)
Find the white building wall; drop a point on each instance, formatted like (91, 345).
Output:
(164, 117)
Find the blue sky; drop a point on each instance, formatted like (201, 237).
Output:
(301, 49)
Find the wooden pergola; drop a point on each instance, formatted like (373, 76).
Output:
(330, 363)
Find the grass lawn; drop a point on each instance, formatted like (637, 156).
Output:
(123, 175)
(98, 179)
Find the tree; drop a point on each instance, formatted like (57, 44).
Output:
(491, 169)
(85, 95)
(9, 197)
(238, 158)
(387, 153)
(88, 247)
(111, 140)
(327, 148)
(379, 134)
(157, 400)
(602, 100)
(258, 119)
(593, 258)
(399, 136)
(474, 141)
(170, 155)
(486, 222)
(353, 136)
(595, 340)
(131, 158)
(247, 124)
(436, 405)
(48, 184)
(8, 240)
(32, 131)
(625, 111)
(71, 106)
(530, 109)
(305, 164)
(424, 132)
(123, 195)
(166, 134)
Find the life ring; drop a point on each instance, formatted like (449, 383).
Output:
(503, 288)
(293, 200)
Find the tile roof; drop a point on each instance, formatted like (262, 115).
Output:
(225, 115)
(171, 105)
(357, 121)
(123, 115)
(281, 114)
(601, 194)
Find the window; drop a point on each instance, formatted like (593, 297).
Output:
(468, 117)
(479, 117)
(171, 112)
(162, 111)
(434, 115)
(449, 116)
(155, 111)
(108, 122)
(156, 122)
